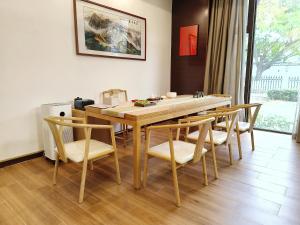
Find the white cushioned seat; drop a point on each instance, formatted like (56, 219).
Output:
(243, 126)
(75, 150)
(218, 136)
(183, 151)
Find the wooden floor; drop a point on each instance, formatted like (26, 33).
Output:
(263, 188)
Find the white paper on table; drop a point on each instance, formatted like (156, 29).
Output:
(103, 106)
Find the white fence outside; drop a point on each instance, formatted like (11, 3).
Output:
(278, 77)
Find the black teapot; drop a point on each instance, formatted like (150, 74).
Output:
(198, 94)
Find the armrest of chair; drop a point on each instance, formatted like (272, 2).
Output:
(195, 118)
(92, 126)
(181, 125)
(222, 95)
(71, 118)
(61, 122)
(245, 106)
(222, 109)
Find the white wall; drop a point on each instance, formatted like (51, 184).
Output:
(38, 64)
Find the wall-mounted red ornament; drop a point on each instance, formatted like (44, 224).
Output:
(188, 40)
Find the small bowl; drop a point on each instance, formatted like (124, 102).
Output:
(172, 94)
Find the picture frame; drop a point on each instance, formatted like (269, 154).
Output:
(188, 41)
(104, 31)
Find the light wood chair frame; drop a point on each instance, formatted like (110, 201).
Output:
(115, 92)
(56, 125)
(229, 115)
(252, 116)
(222, 95)
(203, 127)
(216, 109)
(124, 127)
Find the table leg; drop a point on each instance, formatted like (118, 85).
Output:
(137, 156)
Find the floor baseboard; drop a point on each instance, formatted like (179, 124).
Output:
(21, 159)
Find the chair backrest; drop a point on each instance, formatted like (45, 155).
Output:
(56, 125)
(222, 95)
(203, 131)
(202, 125)
(57, 135)
(231, 120)
(253, 110)
(230, 116)
(117, 93)
(233, 117)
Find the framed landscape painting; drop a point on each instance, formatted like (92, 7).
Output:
(108, 32)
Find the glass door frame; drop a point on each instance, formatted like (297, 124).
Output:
(251, 37)
(252, 10)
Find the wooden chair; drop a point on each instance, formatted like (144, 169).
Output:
(222, 95)
(194, 119)
(82, 150)
(219, 137)
(252, 110)
(216, 95)
(179, 153)
(121, 95)
(225, 96)
(118, 93)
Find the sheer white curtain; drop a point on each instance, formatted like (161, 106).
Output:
(296, 132)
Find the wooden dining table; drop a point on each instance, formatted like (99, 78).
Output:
(137, 117)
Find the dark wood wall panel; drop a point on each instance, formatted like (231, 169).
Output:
(187, 72)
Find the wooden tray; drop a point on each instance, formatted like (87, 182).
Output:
(144, 105)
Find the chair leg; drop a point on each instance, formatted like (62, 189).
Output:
(145, 136)
(146, 159)
(239, 144)
(230, 154)
(82, 184)
(55, 170)
(91, 165)
(204, 170)
(214, 160)
(124, 135)
(175, 183)
(118, 176)
(252, 141)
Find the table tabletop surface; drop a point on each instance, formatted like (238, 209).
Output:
(163, 107)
